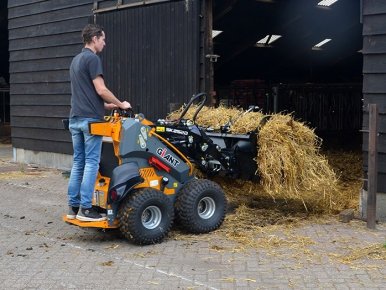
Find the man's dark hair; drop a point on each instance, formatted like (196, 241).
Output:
(90, 31)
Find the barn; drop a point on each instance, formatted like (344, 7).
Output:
(323, 60)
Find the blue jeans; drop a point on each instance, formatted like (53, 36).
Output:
(87, 153)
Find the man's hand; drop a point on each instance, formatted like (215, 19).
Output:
(125, 105)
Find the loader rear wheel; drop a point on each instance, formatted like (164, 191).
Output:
(146, 216)
(201, 206)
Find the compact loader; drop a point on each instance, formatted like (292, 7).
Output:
(146, 178)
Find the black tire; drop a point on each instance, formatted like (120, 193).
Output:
(201, 206)
(146, 216)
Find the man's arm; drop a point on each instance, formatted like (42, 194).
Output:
(110, 106)
(107, 95)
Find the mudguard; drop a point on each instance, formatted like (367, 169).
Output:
(124, 178)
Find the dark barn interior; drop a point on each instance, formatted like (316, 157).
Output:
(320, 85)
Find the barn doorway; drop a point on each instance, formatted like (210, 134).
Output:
(300, 57)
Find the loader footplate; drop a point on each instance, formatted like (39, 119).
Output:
(100, 224)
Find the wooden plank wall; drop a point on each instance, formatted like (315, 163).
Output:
(44, 36)
(374, 79)
(152, 55)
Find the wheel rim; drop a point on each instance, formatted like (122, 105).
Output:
(151, 217)
(206, 207)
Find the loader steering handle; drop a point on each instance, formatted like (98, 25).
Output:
(202, 99)
(127, 113)
(124, 113)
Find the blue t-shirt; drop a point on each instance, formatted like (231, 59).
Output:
(85, 101)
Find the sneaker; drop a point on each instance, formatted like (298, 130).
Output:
(89, 215)
(72, 212)
(99, 210)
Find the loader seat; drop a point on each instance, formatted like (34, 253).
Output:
(108, 160)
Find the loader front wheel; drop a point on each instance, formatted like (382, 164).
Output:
(146, 216)
(201, 206)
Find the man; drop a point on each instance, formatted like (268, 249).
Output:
(89, 98)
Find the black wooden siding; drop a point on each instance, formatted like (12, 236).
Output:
(374, 78)
(151, 59)
(43, 38)
(152, 55)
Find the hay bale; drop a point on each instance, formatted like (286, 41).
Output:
(208, 116)
(247, 122)
(288, 159)
(220, 116)
(290, 164)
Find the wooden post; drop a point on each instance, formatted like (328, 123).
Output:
(372, 172)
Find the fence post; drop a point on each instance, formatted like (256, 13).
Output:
(372, 172)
